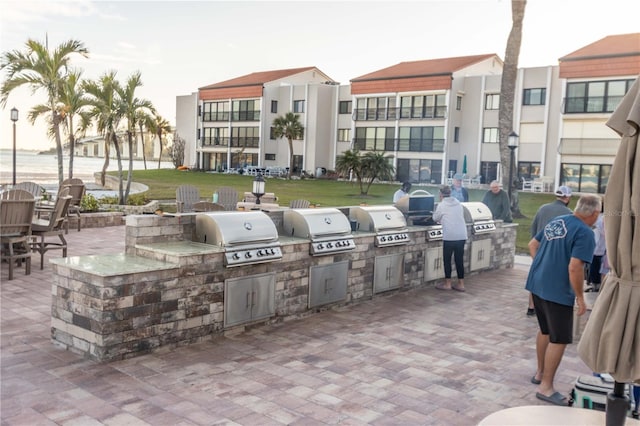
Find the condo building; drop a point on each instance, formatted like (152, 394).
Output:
(434, 118)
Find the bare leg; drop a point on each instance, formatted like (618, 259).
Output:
(530, 301)
(542, 342)
(553, 356)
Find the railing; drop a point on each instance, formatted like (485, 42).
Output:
(403, 145)
(591, 104)
(382, 114)
(233, 116)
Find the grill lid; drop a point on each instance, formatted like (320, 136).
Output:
(476, 211)
(316, 224)
(232, 229)
(379, 218)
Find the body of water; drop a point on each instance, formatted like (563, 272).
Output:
(43, 168)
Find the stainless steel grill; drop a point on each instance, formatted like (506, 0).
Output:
(328, 229)
(246, 237)
(417, 207)
(479, 215)
(387, 222)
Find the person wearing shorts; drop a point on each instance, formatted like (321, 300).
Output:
(556, 278)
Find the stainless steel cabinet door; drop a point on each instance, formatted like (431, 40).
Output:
(328, 283)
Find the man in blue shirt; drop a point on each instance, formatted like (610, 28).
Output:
(556, 280)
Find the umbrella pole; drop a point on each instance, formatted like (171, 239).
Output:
(617, 405)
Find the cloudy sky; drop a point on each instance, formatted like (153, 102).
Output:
(179, 46)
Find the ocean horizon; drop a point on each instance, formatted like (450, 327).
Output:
(42, 167)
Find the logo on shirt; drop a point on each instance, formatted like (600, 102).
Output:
(555, 229)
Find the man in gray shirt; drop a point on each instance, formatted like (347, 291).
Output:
(545, 213)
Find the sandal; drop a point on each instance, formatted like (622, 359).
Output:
(458, 287)
(442, 286)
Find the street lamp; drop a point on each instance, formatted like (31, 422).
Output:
(512, 142)
(258, 189)
(14, 118)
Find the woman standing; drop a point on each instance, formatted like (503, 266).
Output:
(450, 215)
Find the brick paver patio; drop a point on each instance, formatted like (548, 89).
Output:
(418, 357)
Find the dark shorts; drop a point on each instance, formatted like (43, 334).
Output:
(555, 320)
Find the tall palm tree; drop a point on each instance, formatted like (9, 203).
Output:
(74, 103)
(42, 70)
(507, 95)
(105, 109)
(130, 107)
(144, 120)
(288, 126)
(160, 127)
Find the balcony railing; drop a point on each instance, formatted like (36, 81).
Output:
(233, 116)
(404, 145)
(382, 114)
(591, 105)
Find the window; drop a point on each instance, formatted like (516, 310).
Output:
(245, 137)
(458, 102)
(248, 110)
(298, 106)
(429, 106)
(528, 170)
(456, 134)
(215, 111)
(382, 108)
(490, 135)
(595, 96)
(215, 136)
(274, 107)
(270, 157)
(492, 101)
(421, 139)
(344, 135)
(591, 178)
(374, 138)
(417, 170)
(344, 107)
(272, 136)
(534, 96)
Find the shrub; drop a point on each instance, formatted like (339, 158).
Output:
(89, 203)
(134, 200)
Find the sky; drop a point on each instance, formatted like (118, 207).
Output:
(179, 46)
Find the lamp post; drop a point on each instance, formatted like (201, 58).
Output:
(14, 118)
(258, 189)
(512, 144)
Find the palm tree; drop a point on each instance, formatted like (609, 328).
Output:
(41, 70)
(350, 163)
(159, 126)
(288, 126)
(105, 110)
(130, 107)
(507, 95)
(376, 165)
(74, 102)
(144, 120)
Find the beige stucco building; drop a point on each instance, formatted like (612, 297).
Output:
(434, 117)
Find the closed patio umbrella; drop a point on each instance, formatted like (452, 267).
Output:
(611, 340)
(464, 165)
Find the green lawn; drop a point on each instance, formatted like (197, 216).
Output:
(323, 192)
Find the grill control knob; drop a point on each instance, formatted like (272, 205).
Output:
(235, 256)
(329, 245)
(320, 246)
(247, 255)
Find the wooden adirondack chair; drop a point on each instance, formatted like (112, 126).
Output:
(299, 204)
(16, 214)
(186, 197)
(41, 229)
(228, 197)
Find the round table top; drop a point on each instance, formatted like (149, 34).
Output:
(547, 415)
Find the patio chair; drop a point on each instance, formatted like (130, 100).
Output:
(16, 213)
(228, 197)
(207, 206)
(186, 196)
(41, 229)
(299, 204)
(77, 189)
(32, 188)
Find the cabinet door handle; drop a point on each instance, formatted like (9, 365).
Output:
(327, 285)
(248, 300)
(253, 298)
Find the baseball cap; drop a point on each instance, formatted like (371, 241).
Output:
(563, 191)
(458, 176)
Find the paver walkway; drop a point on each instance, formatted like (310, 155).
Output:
(421, 357)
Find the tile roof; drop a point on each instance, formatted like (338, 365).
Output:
(424, 68)
(612, 56)
(258, 78)
(610, 46)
